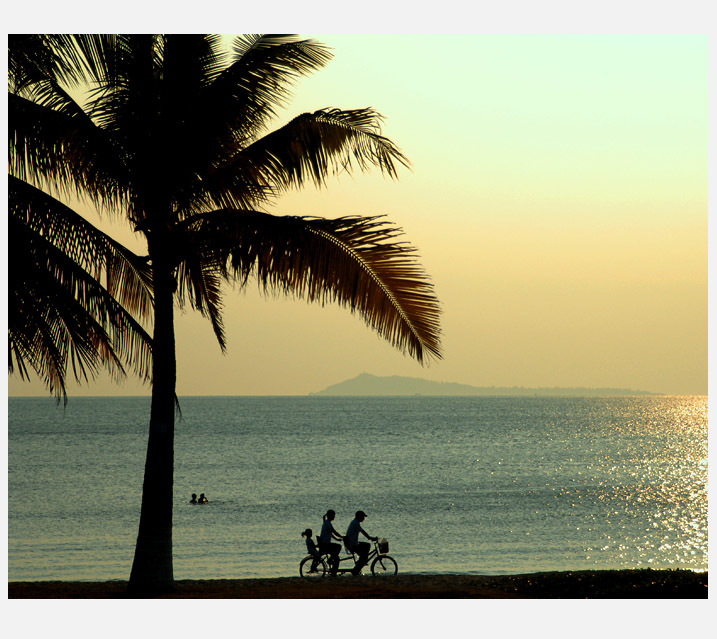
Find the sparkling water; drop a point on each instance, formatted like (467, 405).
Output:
(472, 485)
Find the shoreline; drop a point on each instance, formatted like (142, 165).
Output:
(591, 584)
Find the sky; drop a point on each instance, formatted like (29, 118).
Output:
(557, 198)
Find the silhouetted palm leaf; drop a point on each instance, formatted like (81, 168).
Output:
(60, 316)
(59, 312)
(354, 261)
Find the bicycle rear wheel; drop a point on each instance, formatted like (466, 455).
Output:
(383, 566)
(305, 568)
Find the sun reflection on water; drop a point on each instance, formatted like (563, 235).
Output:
(662, 471)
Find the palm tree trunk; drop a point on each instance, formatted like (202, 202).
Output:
(152, 569)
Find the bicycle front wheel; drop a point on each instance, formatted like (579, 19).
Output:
(384, 565)
(305, 568)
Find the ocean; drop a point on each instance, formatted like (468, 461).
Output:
(464, 485)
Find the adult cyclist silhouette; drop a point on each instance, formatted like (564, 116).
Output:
(328, 532)
(361, 548)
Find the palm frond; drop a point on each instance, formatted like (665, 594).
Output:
(53, 141)
(126, 276)
(92, 55)
(354, 261)
(36, 58)
(262, 74)
(314, 145)
(30, 59)
(65, 153)
(60, 316)
(199, 281)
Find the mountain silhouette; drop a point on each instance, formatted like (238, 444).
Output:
(368, 385)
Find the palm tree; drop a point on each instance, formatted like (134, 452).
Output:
(174, 136)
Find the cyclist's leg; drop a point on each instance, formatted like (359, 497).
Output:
(334, 558)
(325, 551)
(353, 556)
(362, 550)
(366, 549)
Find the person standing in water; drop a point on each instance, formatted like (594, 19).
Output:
(193, 500)
(203, 499)
(326, 546)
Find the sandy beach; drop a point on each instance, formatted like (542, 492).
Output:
(597, 584)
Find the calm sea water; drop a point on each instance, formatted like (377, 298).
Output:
(457, 485)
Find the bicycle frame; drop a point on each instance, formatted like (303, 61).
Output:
(350, 556)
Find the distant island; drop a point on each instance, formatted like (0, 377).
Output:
(366, 385)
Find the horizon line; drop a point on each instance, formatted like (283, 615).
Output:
(320, 394)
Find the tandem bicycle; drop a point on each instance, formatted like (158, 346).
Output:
(381, 563)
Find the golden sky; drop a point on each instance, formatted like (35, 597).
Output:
(558, 199)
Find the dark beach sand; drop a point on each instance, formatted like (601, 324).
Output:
(592, 584)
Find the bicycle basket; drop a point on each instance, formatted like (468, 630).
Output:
(383, 546)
